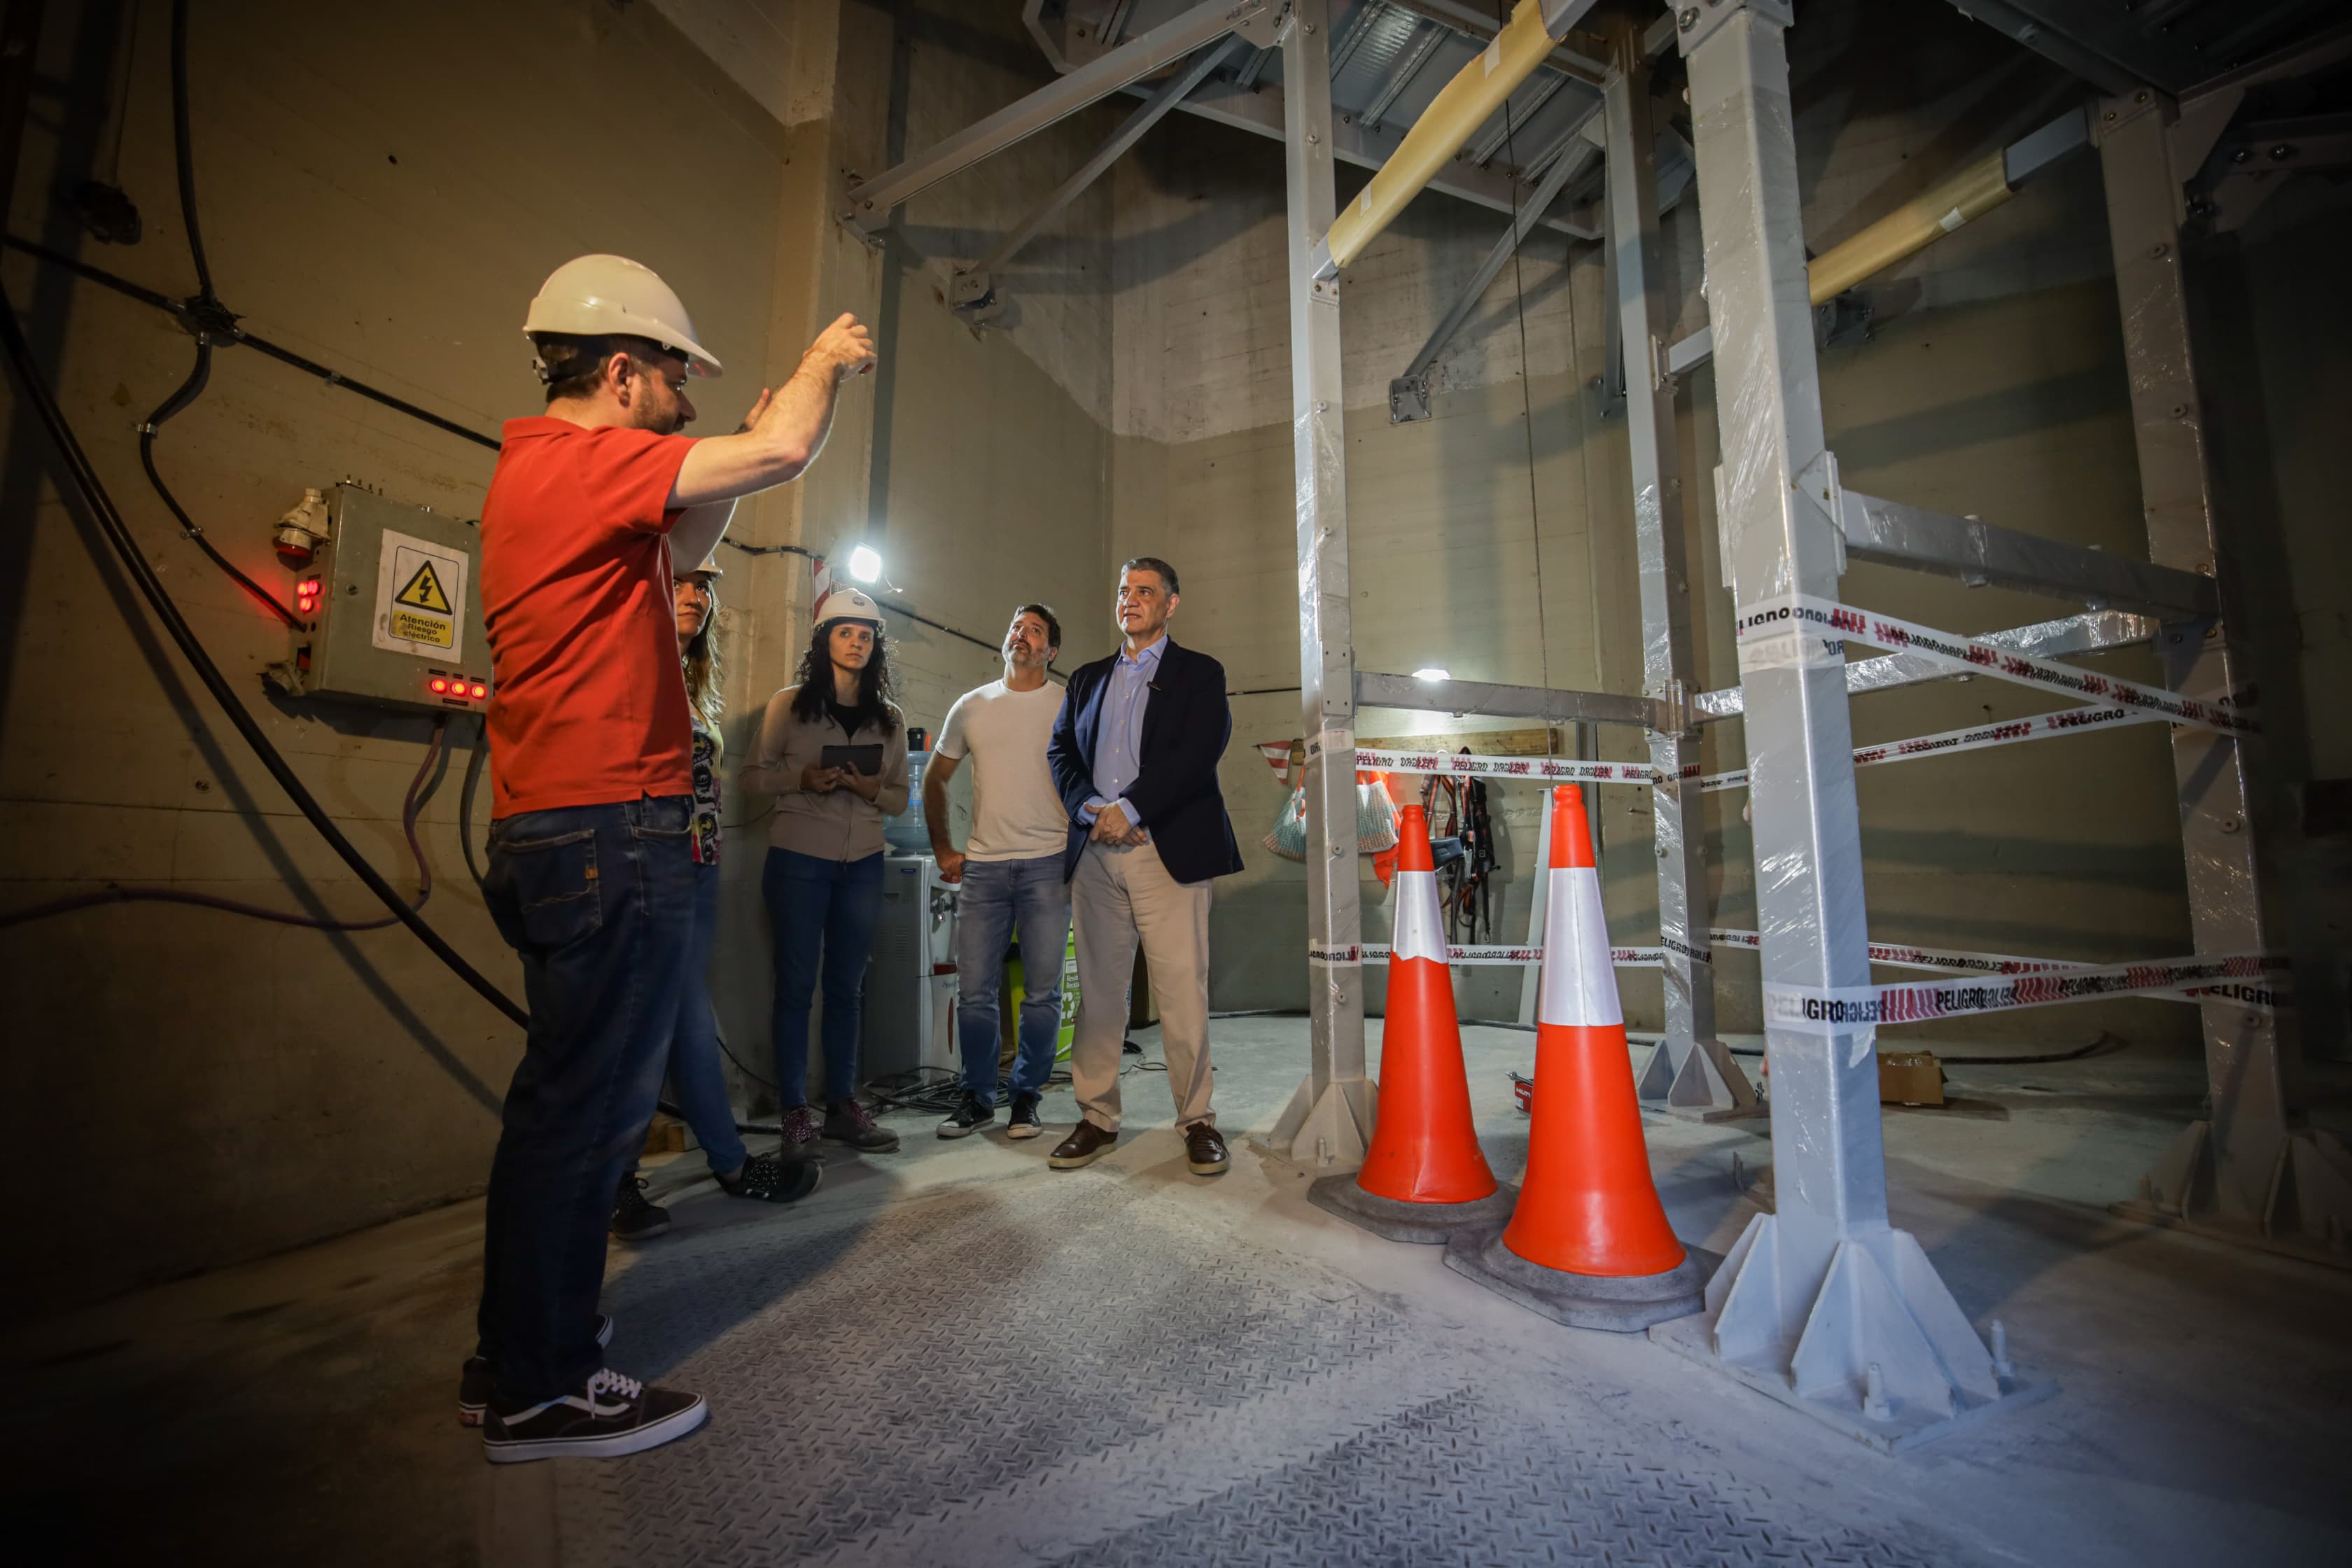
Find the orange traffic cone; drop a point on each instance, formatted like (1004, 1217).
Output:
(1424, 1177)
(1589, 1243)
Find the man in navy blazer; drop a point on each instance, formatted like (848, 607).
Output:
(1135, 756)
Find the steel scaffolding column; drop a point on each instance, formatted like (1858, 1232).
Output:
(1821, 1304)
(1691, 1071)
(2247, 1171)
(1329, 1120)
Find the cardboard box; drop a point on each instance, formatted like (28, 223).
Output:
(1910, 1078)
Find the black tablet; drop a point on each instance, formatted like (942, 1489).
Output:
(866, 759)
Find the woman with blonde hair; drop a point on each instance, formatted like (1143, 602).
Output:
(694, 1072)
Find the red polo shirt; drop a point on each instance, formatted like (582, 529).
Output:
(590, 706)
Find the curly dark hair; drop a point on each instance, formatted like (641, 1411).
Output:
(878, 684)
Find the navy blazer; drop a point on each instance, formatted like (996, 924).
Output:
(1186, 723)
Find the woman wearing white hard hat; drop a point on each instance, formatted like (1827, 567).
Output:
(832, 751)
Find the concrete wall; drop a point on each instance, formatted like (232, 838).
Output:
(383, 190)
(1994, 384)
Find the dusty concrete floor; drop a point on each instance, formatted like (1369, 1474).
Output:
(945, 1357)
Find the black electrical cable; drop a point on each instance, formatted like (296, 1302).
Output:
(481, 754)
(85, 478)
(188, 392)
(142, 893)
(184, 147)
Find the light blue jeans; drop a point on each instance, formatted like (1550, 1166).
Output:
(999, 897)
(694, 1072)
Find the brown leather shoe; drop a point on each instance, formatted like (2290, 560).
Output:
(1084, 1145)
(1204, 1149)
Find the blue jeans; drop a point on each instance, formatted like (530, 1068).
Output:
(696, 1078)
(1000, 896)
(599, 902)
(829, 907)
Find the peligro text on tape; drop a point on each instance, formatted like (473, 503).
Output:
(1485, 953)
(1975, 738)
(1774, 636)
(1827, 619)
(2265, 995)
(1836, 1011)
(1564, 770)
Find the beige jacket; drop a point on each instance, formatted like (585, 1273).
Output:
(840, 824)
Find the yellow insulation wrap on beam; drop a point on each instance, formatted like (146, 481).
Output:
(1468, 101)
(1911, 228)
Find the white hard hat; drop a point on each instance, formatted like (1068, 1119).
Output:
(849, 604)
(593, 295)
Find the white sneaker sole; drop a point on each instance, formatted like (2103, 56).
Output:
(1024, 1130)
(635, 1441)
(949, 1128)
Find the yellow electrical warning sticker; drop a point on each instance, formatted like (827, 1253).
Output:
(423, 591)
(419, 585)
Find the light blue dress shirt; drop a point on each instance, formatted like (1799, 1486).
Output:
(1118, 732)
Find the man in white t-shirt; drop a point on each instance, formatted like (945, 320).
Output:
(1010, 870)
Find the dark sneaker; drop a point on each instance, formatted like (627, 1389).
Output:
(772, 1180)
(968, 1118)
(846, 1122)
(799, 1128)
(635, 1215)
(610, 1416)
(1022, 1123)
(1084, 1145)
(476, 1384)
(1204, 1151)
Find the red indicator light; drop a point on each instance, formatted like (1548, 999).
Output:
(480, 690)
(310, 589)
(439, 684)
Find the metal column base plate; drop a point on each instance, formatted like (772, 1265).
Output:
(1622, 1306)
(1693, 1338)
(1698, 1082)
(2244, 1233)
(2306, 1211)
(1431, 1223)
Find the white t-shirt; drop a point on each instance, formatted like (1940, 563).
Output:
(1016, 813)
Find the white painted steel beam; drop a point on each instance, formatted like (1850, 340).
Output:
(976, 286)
(872, 202)
(1328, 1123)
(1979, 553)
(2253, 1170)
(1484, 700)
(1821, 1304)
(2091, 633)
(1691, 1071)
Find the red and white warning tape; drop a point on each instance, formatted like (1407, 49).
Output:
(1556, 769)
(1975, 738)
(1802, 631)
(1481, 953)
(2266, 995)
(2253, 979)
(1839, 1009)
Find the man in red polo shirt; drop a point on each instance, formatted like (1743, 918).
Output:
(591, 879)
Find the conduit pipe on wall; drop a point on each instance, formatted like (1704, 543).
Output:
(1928, 217)
(1463, 104)
(1912, 228)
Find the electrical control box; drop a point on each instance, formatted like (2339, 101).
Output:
(392, 604)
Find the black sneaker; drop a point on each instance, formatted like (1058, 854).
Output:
(1024, 1122)
(610, 1416)
(635, 1215)
(476, 1384)
(846, 1122)
(772, 1180)
(968, 1118)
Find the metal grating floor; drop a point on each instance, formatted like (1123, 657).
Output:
(1081, 1371)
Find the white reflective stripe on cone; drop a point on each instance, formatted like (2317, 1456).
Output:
(1579, 980)
(1420, 924)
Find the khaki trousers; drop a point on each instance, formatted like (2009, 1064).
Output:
(1117, 898)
